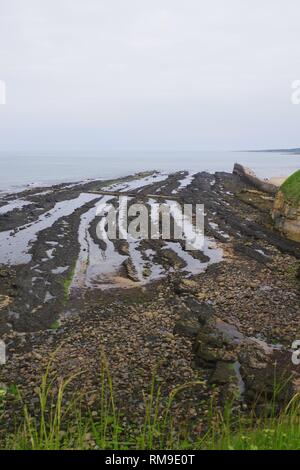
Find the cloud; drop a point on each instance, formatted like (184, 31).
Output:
(154, 74)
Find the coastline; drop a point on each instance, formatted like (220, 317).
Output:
(143, 322)
(41, 169)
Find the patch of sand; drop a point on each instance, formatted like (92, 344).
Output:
(277, 180)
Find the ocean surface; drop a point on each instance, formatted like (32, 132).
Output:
(18, 170)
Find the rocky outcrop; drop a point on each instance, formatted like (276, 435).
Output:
(247, 175)
(286, 217)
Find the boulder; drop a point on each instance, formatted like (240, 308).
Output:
(223, 374)
(210, 347)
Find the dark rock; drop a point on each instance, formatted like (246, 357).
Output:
(189, 328)
(252, 253)
(194, 314)
(202, 310)
(223, 374)
(208, 348)
(130, 270)
(250, 177)
(210, 338)
(266, 381)
(206, 358)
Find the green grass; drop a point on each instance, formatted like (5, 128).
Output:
(55, 325)
(59, 423)
(291, 188)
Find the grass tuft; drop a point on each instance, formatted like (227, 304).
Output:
(59, 423)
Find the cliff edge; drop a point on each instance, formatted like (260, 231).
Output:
(286, 211)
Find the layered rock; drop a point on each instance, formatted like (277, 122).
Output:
(286, 216)
(247, 175)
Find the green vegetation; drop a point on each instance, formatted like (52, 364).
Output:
(291, 188)
(60, 423)
(55, 325)
(67, 284)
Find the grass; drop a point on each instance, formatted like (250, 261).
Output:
(272, 431)
(60, 424)
(291, 188)
(55, 325)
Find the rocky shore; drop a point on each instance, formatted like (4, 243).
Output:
(224, 317)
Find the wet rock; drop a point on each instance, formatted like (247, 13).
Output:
(202, 310)
(147, 270)
(252, 253)
(172, 259)
(130, 270)
(123, 248)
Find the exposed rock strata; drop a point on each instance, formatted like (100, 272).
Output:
(286, 217)
(247, 175)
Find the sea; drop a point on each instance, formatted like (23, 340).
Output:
(20, 169)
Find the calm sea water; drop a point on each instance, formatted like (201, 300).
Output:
(19, 170)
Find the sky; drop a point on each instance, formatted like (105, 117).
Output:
(141, 74)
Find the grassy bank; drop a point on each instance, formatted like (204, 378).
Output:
(57, 423)
(291, 188)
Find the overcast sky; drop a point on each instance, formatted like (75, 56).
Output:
(149, 74)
